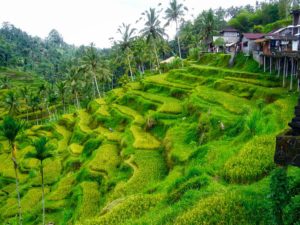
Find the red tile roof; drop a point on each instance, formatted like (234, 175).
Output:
(253, 36)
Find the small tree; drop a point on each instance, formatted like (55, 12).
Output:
(42, 152)
(10, 129)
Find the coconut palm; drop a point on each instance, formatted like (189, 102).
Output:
(42, 152)
(50, 99)
(90, 65)
(24, 91)
(206, 22)
(175, 13)
(153, 31)
(125, 44)
(10, 129)
(11, 101)
(105, 74)
(34, 103)
(73, 78)
(61, 87)
(140, 50)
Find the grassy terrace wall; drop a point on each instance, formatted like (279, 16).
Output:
(191, 146)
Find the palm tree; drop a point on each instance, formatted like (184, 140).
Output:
(50, 99)
(207, 23)
(73, 78)
(25, 94)
(140, 50)
(174, 13)
(105, 74)
(34, 103)
(11, 100)
(125, 43)
(10, 130)
(152, 30)
(91, 65)
(61, 87)
(42, 152)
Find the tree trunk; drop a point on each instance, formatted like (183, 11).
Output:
(14, 159)
(49, 113)
(64, 105)
(43, 192)
(178, 43)
(130, 69)
(96, 84)
(157, 60)
(77, 101)
(37, 119)
(103, 89)
(264, 63)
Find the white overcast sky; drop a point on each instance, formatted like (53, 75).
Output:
(86, 21)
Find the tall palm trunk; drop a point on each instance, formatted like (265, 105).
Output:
(156, 56)
(77, 100)
(178, 43)
(49, 113)
(14, 159)
(96, 84)
(43, 192)
(64, 104)
(130, 69)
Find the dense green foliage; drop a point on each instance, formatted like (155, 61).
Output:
(184, 147)
(116, 137)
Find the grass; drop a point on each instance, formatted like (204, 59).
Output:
(254, 161)
(221, 209)
(161, 80)
(138, 119)
(75, 149)
(89, 201)
(132, 207)
(169, 105)
(227, 101)
(106, 159)
(191, 146)
(180, 142)
(63, 189)
(149, 167)
(143, 140)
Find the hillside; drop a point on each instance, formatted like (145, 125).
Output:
(188, 146)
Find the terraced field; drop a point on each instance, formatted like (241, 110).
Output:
(175, 148)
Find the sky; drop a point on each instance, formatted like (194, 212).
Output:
(85, 21)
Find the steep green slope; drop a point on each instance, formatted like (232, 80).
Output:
(192, 146)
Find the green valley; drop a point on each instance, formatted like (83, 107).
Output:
(153, 131)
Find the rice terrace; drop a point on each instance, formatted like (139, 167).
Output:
(188, 114)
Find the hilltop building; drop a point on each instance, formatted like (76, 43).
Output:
(228, 40)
